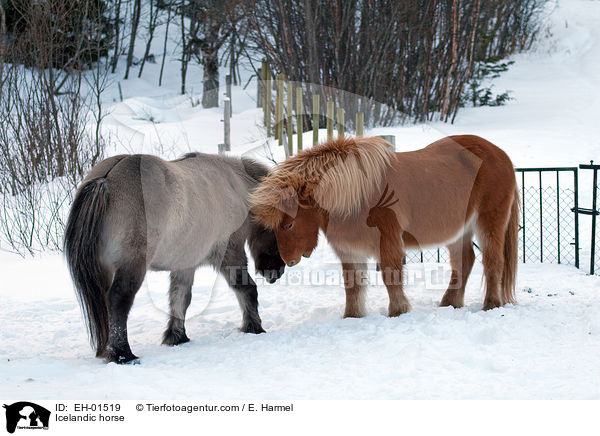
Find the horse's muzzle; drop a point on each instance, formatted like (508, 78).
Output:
(272, 275)
(293, 262)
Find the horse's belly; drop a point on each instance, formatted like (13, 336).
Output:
(179, 253)
(438, 232)
(189, 241)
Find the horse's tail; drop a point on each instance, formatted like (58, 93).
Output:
(511, 251)
(82, 235)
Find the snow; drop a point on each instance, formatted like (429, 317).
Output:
(545, 347)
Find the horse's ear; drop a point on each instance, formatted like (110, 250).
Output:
(305, 198)
(289, 206)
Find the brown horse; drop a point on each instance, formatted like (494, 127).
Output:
(372, 202)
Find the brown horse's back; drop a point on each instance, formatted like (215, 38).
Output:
(495, 163)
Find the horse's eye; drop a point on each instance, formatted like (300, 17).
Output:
(288, 226)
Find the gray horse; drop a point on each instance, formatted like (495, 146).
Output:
(138, 212)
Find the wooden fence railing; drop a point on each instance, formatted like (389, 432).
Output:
(287, 110)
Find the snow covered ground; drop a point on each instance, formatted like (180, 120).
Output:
(546, 347)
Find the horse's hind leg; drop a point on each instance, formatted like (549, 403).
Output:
(491, 234)
(234, 268)
(462, 258)
(180, 296)
(125, 284)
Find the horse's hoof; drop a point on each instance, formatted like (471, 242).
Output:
(175, 337)
(255, 329)
(135, 361)
(491, 305)
(120, 357)
(123, 359)
(352, 315)
(453, 303)
(399, 309)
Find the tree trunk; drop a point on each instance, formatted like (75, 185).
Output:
(184, 54)
(117, 34)
(311, 41)
(164, 55)
(233, 58)
(134, 26)
(429, 42)
(151, 27)
(471, 48)
(210, 92)
(453, 61)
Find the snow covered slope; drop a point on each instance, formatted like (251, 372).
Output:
(553, 119)
(547, 346)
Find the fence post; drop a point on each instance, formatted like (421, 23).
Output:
(523, 222)
(267, 100)
(558, 215)
(315, 123)
(290, 119)
(576, 194)
(330, 116)
(228, 87)
(340, 122)
(279, 116)
(299, 118)
(541, 218)
(227, 124)
(360, 120)
(594, 213)
(391, 139)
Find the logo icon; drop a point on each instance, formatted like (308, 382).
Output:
(26, 415)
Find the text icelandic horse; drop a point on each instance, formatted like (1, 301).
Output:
(372, 202)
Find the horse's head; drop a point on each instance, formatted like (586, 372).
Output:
(263, 246)
(298, 233)
(294, 217)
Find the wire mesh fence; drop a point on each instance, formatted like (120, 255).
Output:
(548, 228)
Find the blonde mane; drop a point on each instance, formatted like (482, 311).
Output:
(340, 175)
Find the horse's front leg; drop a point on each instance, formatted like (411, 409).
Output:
(180, 296)
(355, 282)
(391, 271)
(234, 268)
(247, 294)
